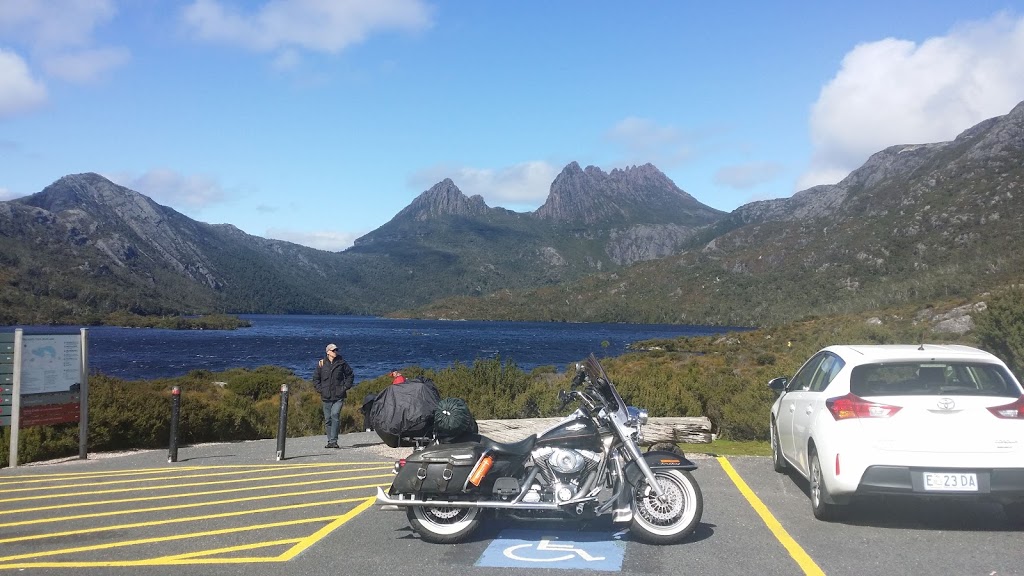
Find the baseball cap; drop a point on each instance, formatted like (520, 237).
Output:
(332, 347)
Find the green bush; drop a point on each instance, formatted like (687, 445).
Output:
(1000, 328)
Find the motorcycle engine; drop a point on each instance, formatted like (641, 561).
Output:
(566, 461)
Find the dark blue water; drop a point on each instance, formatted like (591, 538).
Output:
(373, 346)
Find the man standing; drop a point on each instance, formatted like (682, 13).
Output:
(332, 379)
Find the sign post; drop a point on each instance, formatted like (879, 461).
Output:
(48, 383)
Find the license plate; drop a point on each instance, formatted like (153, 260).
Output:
(951, 481)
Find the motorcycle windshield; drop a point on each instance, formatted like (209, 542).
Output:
(603, 384)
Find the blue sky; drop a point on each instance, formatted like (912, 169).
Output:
(316, 121)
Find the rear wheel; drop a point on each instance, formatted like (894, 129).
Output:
(820, 505)
(778, 462)
(673, 517)
(442, 524)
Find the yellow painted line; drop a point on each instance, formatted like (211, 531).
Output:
(158, 539)
(802, 558)
(260, 487)
(65, 494)
(319, 490)
(29, 479)
(171, 477)
(226, 550)
(313, 538)
(302, 545)
(232, 514)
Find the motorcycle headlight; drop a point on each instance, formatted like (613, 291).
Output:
(637, 415)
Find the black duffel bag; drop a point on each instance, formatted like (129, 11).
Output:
(453, 422)
(405, 411)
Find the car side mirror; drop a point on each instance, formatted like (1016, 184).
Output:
(778, 384)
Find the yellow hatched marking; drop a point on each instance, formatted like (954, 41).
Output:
(795, 550)
(159, 508)
(301, 545)
(169, 477)
(167, 486)
(262, 487)
(235, 513)
(158, 539)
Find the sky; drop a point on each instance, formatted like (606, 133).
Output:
(316, 121)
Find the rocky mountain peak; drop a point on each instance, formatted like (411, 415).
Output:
(443, 199)
(636, 194)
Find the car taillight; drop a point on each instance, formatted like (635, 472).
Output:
(851, 406)
(1013, 410)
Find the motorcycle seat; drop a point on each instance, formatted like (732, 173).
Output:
(521, 448)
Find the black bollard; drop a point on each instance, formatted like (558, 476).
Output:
(172, 454)
(282, 423)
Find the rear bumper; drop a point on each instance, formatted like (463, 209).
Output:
(994, 483)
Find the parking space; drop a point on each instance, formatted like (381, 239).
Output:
(230, 507)
(179, 515)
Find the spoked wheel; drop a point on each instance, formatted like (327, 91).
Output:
(442, 524)
(673, 517)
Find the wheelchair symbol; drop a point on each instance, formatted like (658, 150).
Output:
(546, 545)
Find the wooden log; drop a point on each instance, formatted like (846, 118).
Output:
(688, 429)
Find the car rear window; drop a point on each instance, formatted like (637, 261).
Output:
(932, 379)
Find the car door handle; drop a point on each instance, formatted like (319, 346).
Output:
(808, 410)
(792, 408)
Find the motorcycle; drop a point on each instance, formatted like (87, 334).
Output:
(589, 465)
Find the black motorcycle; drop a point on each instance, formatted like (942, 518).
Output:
(587, 466)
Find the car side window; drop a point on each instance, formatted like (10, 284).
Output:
(802, 379)
(826, 372)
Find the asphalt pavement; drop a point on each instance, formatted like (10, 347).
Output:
(235, 509)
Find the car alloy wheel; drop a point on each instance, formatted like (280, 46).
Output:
(822, 509)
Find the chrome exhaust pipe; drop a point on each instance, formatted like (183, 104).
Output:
(389, 501)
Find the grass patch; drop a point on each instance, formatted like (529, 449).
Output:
(732, 448)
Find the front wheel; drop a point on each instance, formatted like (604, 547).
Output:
(673, 517)
(442, 524)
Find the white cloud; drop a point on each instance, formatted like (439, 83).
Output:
(897, 92)
(6, 194)
(743, 176)
(643, 141)
(522, 185)
(85, 65)
(315, 25)
(173, 189)
(19, 91)
(330, 241)
(58, 36)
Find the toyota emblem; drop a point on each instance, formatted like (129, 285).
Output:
(946, 404)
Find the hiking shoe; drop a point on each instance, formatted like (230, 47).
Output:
(332, 445)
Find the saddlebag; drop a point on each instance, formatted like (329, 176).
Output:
(438, 469)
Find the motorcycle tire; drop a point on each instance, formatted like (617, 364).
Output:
(443, 525)
(672, 519)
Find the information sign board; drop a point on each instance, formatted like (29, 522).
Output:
(50, 363)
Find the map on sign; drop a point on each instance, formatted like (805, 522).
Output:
(50, 363)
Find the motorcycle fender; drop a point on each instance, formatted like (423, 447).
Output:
(656, 460)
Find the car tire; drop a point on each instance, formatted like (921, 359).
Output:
(820, 505)
(778, 462)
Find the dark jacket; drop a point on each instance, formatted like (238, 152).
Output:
(333, 379)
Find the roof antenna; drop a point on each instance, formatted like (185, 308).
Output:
(920, 340)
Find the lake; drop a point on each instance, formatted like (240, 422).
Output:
(373, 346)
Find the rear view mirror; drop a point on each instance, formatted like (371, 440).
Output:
(778, 384)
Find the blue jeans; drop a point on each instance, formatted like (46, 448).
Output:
(332, 420)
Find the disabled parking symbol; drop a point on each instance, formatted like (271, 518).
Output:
(573, 550)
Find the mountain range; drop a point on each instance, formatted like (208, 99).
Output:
(914, 223)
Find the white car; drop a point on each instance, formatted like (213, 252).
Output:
(921, 420)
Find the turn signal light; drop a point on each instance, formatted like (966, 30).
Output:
(1013, 411)
(851, 406)
(481, 470)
